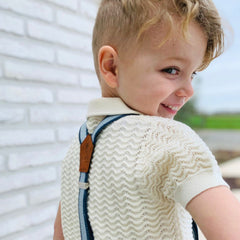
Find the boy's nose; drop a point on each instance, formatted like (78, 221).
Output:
(186, 90)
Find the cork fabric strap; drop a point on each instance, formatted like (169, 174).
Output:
(87, 143)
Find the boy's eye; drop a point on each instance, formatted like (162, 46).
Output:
(172, 71)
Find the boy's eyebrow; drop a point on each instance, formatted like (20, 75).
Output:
(180, 59)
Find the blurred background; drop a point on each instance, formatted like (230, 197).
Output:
(214, 111)
(46, 80)
(217, 88)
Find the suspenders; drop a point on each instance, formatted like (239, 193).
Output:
(87, 143)
(195, 230)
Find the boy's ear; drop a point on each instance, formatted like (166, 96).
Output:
(107, 60)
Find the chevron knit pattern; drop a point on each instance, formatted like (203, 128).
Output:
(140, 180)
(69, 192)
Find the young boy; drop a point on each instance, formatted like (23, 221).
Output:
(149, 174)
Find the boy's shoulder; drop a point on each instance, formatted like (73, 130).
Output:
(159, 123)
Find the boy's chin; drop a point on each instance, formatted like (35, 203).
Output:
(167, 114)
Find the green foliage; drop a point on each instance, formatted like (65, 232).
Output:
(189, 115)
(187, 111)
(223, 121)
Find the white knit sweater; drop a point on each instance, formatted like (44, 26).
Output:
(143, 173)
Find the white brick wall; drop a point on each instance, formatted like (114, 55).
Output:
(11, 24)
(17, 47)
(2, 164)
(21, 94)
(41, 73)
(46, 79)
(12, 203)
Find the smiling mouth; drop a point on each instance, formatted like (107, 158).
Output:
(170, 107)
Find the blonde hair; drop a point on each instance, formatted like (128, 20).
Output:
(122, 23)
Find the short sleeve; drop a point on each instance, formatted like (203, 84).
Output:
(191, 167)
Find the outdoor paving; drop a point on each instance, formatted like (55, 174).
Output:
(221, 139)
(228, 143)
(232, 169)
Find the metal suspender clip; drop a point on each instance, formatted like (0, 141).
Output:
(83, 185)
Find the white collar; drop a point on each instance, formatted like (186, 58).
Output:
(108, 106)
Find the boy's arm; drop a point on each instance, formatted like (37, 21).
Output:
(217, 212)
(58, 233)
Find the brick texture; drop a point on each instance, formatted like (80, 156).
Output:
(71, 59)
(19, 48)
(57, 115)
(21, 94)
(35, 158)
(11, 24)
(28, 8)
(12, 203)
(79, 24)
(70, 4)
(89, 80)
(77, 96)
(22, 71)
(45, 194)
(14, 115)
(2, 163)
(26, 137)
(46, 79)
(67, 133)
(24, 179)
(88, 8)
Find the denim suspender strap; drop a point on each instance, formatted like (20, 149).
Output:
(195, 230)
(87, 143)
(85, 228)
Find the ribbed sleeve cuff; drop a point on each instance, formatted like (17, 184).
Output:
(196, 184)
